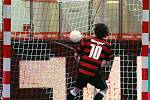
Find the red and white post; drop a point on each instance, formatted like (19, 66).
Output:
(145, 45)
(6, 49)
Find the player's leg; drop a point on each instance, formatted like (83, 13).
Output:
(100, 94)
(99, 83)
(80, 83)
(73, 93)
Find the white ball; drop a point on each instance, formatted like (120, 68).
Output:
(75, 36)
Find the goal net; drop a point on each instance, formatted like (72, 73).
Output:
(43, 68)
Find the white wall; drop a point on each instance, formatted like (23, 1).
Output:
(74, 16)
(20, 14)
(46, 16)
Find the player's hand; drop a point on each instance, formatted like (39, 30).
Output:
(104, 63)
(76, 57)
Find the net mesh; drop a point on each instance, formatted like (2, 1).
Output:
(45, 70)
(135, 6)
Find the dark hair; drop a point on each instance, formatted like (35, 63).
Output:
(101, 30)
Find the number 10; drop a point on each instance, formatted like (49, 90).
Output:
(95, 51)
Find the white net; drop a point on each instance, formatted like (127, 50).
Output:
(135, 6)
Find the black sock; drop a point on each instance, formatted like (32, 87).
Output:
(98, 96)
(70, 97)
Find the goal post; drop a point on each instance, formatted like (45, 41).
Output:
(33, 67)
(145, 49)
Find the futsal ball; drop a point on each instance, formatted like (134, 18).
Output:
(75, 36)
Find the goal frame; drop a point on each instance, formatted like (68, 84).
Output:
(7, 50)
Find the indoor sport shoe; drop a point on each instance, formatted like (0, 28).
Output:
(70, 97)
(98, 96)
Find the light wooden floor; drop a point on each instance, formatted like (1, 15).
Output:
(114, 91)
(113, 82)
(51, 74)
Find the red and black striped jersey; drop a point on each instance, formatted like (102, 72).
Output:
(92, 52)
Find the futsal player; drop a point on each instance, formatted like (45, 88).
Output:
(94, 53)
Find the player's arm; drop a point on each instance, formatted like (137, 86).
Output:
(107, 64)
(80, 47)
(79, 50)
(76, 57)
(110, 55)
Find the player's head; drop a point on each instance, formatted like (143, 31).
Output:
(101, 30)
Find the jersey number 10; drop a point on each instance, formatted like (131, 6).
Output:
(95, 51)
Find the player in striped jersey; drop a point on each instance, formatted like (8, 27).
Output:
(94, 52)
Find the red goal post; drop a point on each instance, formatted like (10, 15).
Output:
(56, 35)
